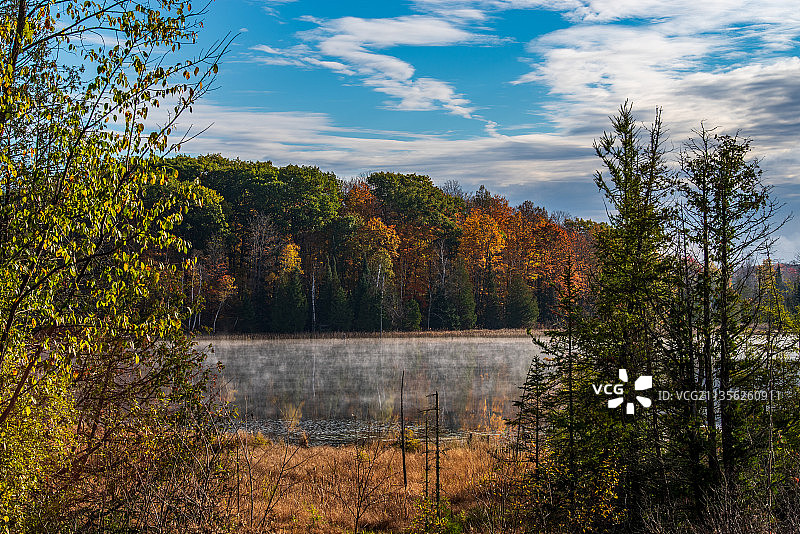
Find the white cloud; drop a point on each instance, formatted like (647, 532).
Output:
(694, 16)
(282, 61)
(720, 61)
(313, 139)
(270, 6)
(266, 48)
(467, 14)
(349, 46)
(332, 65)
(416, 30)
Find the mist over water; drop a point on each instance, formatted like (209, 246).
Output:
(336, 387)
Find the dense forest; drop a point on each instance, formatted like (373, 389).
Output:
(291, 249)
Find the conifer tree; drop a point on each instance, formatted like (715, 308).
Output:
(521, 307)
(289, 305)
(578, 450)
(793, 300)
(443, 311)
(730, 213)
(341, 315)
(453, 303)
(411, 315)
(623, 333)
(325, 298)
(463, 297)
(492, 316)
(367, 303)
(334, 306)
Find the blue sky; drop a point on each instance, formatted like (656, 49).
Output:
(506, 93)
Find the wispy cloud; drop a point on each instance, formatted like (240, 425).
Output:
(724, 62)
(266, 48)
(350, 45)
(314, 139)
(417, 30)
(271, 6)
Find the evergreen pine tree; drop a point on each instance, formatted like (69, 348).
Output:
(781, 286)
(327, 289)
(794, 298)
(493, 316)
(289, 306)
(341, 316)
(444, 314)
(546, 300)
(606, 459)
(567, 432)
(731, 214)
(628, 293)
(453, 304)
(463, 297)
(411, 315)
(334, 307)
(521, 307)
(367, 303)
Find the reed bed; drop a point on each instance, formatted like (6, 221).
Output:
(281, 487)
(426, 334)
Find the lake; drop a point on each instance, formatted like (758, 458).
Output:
(334, 390)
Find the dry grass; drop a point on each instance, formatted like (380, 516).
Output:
(319, 487)
(504, 332)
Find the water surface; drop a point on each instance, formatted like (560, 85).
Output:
(333, 388)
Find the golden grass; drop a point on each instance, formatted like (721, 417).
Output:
(504, 332)
(319, 486)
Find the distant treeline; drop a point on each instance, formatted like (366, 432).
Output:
(292, 249)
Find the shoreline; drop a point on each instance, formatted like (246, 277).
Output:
(430, 334)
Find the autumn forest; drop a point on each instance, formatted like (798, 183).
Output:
(292, 249)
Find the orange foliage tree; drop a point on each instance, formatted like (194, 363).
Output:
(482, 243)
(378, 244)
